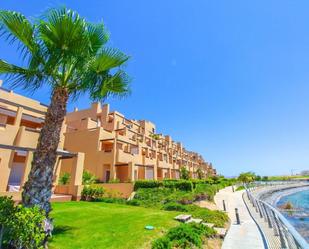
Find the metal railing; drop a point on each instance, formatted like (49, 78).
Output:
(284, 234)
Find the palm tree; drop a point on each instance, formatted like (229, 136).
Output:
(69, 54)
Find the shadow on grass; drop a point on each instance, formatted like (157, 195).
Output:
(61, 230)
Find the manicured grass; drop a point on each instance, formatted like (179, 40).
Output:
(104, 225)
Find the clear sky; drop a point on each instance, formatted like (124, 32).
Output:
(230, 79)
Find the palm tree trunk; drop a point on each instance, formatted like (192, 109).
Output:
(38, 188)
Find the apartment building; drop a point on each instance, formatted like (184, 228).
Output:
(95, 139)
(127, 150)
(21, 119)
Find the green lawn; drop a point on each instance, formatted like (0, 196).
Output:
(103, 225)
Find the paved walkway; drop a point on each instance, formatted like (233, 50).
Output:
(243, 236)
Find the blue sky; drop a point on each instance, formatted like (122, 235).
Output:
(230, 79)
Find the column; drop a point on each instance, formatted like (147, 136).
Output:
(131, 171)
(6, 159)
(113, 168)
(18, 117)
(77, 175)
(28, 163)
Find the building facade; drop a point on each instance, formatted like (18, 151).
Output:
(117, 148)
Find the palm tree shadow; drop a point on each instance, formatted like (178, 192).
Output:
(61, 230)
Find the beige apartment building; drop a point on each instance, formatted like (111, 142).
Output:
(117, 148)
(21, 119)
(105, 143)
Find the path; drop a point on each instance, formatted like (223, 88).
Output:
(243, 236)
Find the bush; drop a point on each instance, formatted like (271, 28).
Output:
(21, 227)
(133, 202)
(186, 199)
(184, 173)
(240, 188)
(112, 193)
(114, 180)
(210, 216)
(184, 185)
(206, 189)
(64, 179)
(174, 206)
(184, 236)
(88, 178)
(162, 243)
(92, 193)
(147, 184)
(111, 200)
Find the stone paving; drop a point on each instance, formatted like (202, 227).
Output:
(243, 236)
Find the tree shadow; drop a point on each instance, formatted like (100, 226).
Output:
(61, 230)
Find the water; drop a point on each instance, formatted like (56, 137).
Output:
(300, 218)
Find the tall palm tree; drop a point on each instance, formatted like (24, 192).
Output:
(69, 54)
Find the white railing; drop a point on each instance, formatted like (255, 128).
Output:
(288, 236)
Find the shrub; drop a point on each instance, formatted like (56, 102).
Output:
(186, 199)
(112, 200)
(184, 185)
(162, 243)
(147, 184)
(184, 173)
(200, 173)
(112, 193)
(88, 178)
(185, 236)
(210, 216)
(133, 202)
(114, 180)
(64, 179)
(206, 189)
(20, 227)
(240, 188)
(200, 197)
(92, 193)
(174, 206)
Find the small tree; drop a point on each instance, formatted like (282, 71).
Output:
(246, 177)
(88, 178)
(200, 173)
(184, 173)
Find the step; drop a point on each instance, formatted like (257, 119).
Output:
(183, 217)
(198, 221)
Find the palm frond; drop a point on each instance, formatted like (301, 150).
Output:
(16, 28)
(98, 36)
(64, 32)
(29, 79)
(117, 85)
(108, 58)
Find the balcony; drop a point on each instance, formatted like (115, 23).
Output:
(164, 164)
(27, 137)
(8, 133)
(124, 157)
(148, 160)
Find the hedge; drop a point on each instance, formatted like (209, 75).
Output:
(147, 184)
